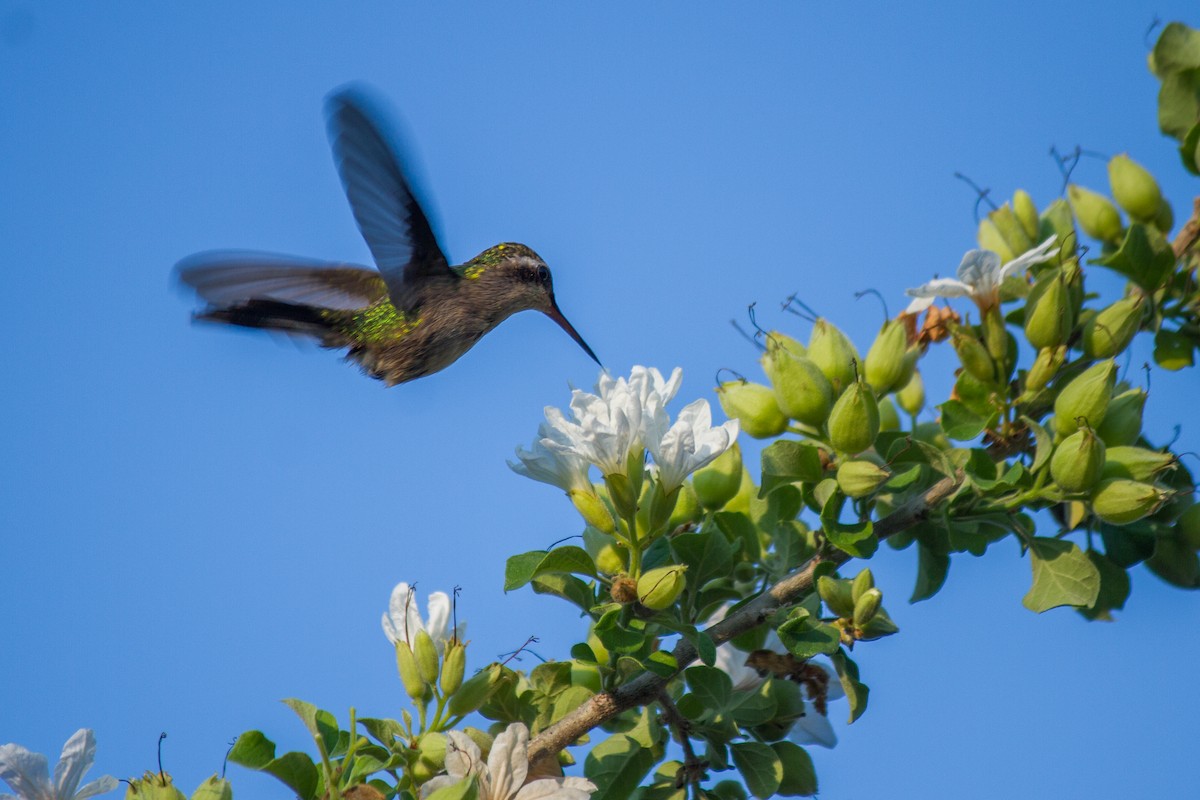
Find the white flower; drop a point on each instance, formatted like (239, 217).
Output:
(558, 466)
(605, 431)
(979, 277)
(647, 386)
(691, 443)
(29, 776)
(503, 776)
(402, 619)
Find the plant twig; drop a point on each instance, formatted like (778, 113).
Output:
(1189, 233)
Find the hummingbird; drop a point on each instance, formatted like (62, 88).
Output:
(411, 317)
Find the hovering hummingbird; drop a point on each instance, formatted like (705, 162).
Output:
(413, 316)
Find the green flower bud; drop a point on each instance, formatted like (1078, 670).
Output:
(481, 739)
(973, 355)
(1012, 229)
(453, 667)
(1164, 220)
(1078, 461)
(1108, 332)
(687, 507)
(593, 510)
(1134, 188)
(866, 607)
(1086, 396)
(1123, 419)
(833, 353)
(1049, 360)
(431, 750)
(410, 676)
(860, 478)
(887, 366)
(1056, 220)
(801, 389)
(854, 420)
(1137, 463)
(863, 581)
(753, 406)
(1027, 212)
(1119, 501)
(889, 417)
(662, 506)
(777, 341)
(837, 595)
(990, 238)
(475, 691)
(426, 655)
(747, 491)
(1097, 216)
(213, 788)
(1048, 315)
(605, 552)
(717, 483)
(912, 397)
(659, 588)
(152, 786)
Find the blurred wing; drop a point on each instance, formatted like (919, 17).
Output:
(225, 278)
(388, 215)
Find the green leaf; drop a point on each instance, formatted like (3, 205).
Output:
(384, 731)
(959, 422)
(805, 638)
(1179, 102)
(738, 527)
(785, 462)
(662, 663)
(707, 554)
(568, 587)
(856, 539)
(321, 724)
(728, 790)
(463, 790)
(1178, 47)
(617, 765)
(1173, 350)
(1144, 257)
(756, 707)
(1114, 587)
(710, 685)
(799, 776)
(856, 691)
(932, 568)
(760, 767)
(295, 770)
(569, 559)
(519, 569)
(1189, 151)
(1045, 444)
(1063, 575)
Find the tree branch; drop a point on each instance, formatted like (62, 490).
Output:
(646, 687)
(1189, 233)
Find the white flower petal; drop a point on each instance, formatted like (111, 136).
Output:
(813, 728)
(940, 287)
(980, 269)
(440, 782)
(99, 786)
(508, 762)
(557, 789)
(77, 756)
(26, 772)
(462, 755)
(1043, 252)
(438, 609)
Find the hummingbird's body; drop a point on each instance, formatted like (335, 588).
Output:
(413, 316)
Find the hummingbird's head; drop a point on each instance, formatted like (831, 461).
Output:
(519, 279)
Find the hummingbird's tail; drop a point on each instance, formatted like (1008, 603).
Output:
(292, 318)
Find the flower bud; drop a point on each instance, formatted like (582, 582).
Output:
(747, 491)
(1048, 316)
(214, 788)
(862, 581)
(717, 483)
(1049, 360)
(973, 355)
(1011, 229)
(622, 493)
(687, 507)
(453, 667)
(860, 478)
(990, 238)
(659, 588)
(426, 656)
(593, 510)
(777, 341)
(801, 389)
(1123, 419)
(431, 748)
(482, 739)
(1137, 463)
(152, 786)
(1119, 501)
(866, 607)
(854, 420)
(889, 417)
(887, 366)
(1027, 213)
(1164, 220)
(1097, 216)
(833, 353)
(1086, 396)
(912, 397)
(837, 595)
(1134, 188)
(1109, 331)
(410, 676)
(1078, 461)
(662, 506)
(753, 406)
(475, 691)
(1056, 220)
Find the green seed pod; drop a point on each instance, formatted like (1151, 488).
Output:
(475, 691)
(687, 507)
(912, 397)
(1137, 463)
(604, 550)
(854, 420)
(781, 341)
(151, 786)
(746, 492)
(1164, 220)
(860, 478)
(887, 366)
(1048, 316)
(453, 667)
(990, 238)
(213, 788)
(1027, 212)
(1119, 501)
(866, 607)
(1097, 216)
(862, 581)
(1108, 332)
(1134, 188)
(593, 510)
(1123, 420)
(889, 417)
(1078, 461)
(431, 751)
(801, 389)
(1049, 360)
(1086, 396)
(717, 483)
(753, 406)
(973, 354)
(659, 588)
(833, 353)
(426, 655)
(837, 595)
(410, 676)
(1012, 229)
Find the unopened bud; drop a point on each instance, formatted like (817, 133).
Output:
(662, 506)
(1048, 316)
(973, 354)
(1120, 501)
(837, 595)
(1027, 212)
(716, 484)
(213, 788)
(152, 786)
(454, 665)
(1097, 216)
(753, 406)
(659, 588)
(866, 607)
(431, 749)
(592, 509)
(410, 675)
(776, 341)
(426, 655)
(1011, 229)
(1123, 419)
(863, 581)
(687, 507)
(1134, 188)
(1109, 331)
(1086, 396)
(854, 420)
(1058, 221)
(889, 417)
(833, 353)
(481, 739)
(475, 691)
(1049, 360)
(887, 366)
(990, 238)
(1078, 461)
(801, 389)
(1164, 220)
(1137, 463)
(860, 478)
(912, 397)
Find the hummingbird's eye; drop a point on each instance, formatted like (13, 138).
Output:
(543, 275)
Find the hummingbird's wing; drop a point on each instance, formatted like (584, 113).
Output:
(228, 277)
(387, 212)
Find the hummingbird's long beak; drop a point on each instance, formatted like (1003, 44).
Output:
(558, 317)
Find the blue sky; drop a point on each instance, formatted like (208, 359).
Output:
(198, 522)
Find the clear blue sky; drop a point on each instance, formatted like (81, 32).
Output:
(195, 522)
